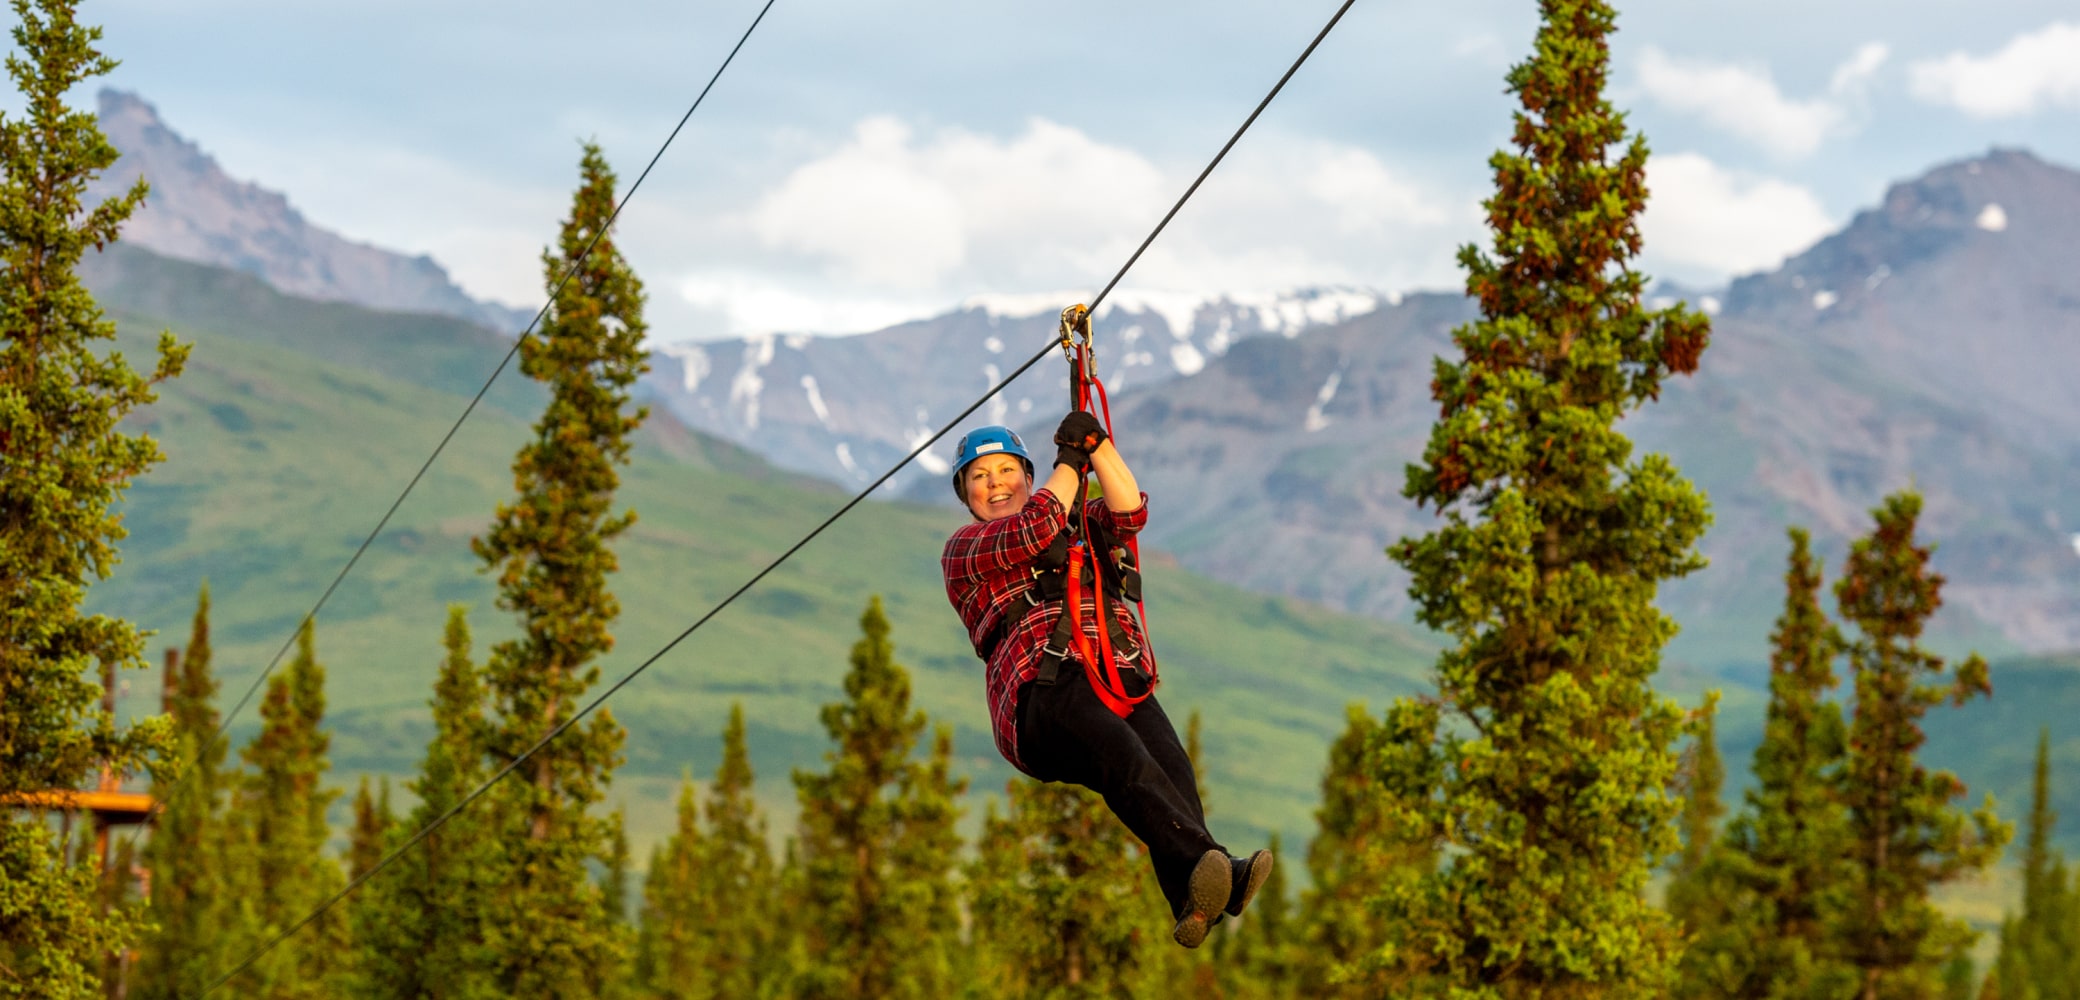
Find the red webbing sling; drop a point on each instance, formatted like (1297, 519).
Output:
(1101, 663)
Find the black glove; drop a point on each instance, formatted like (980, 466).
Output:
(1078, 436)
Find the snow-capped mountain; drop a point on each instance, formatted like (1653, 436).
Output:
(850, 407)
(1934, 342)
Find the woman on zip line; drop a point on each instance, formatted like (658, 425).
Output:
(1069, 700)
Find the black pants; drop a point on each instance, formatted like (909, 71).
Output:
(1066, 734)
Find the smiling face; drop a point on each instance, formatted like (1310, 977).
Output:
(996, 486)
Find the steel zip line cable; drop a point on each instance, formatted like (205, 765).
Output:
(182, 783)
(602, 697)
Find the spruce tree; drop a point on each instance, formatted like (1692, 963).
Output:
(372, 822)
(1054, 891)
(877, 840)
(367, 840)
(795, 935)
(614, 982)
(1353, 860)
(684, 952)
(2040, 947)
(1905, 837)
(1781, 873)
(1544, 763)
(671, 963)
(549, 550)
(736, 873)
(648, 948)
(282, 804)
(189, 902)
(63, 464)
(422, 924)
(1693, 890)
(615, 882)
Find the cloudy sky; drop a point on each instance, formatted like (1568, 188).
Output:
(861, 164)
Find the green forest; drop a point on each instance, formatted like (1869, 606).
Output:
(1504, 801)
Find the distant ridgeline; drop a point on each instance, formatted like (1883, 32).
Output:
(198, 212)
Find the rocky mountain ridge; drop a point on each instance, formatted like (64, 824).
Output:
(847, 408)
(197, 212)
(1931, 343)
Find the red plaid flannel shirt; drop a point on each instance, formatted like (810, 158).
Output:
(988, 573)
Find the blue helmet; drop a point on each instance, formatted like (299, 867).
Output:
(986, 441)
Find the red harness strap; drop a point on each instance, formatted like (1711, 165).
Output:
(1101, 662)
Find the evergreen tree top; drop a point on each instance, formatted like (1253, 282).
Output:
(732, 813)
(63, 460)
(195, 687)
(1705, 784)
(1547, 792)
(1906, 836)
(1890, 592)
(2042, 874)
(288, 754)
(549, 548)
(874, 725)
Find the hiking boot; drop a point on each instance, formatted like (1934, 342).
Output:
(1246, 875)
(1213, 882)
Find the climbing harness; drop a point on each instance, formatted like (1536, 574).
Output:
(1093, 558)
(1085, 557)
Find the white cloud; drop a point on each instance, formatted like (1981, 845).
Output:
(764, 303)
(870, 209)
(1707, 223)
(1373, 199)
(1745, 100)
(1852, 77)
(898, 222)
(892, 211)
(2040, 69)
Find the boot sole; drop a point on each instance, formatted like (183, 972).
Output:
(1259, 870)
(1213, 880)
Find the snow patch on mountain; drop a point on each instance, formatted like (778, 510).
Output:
(748, 388)
(997, 407)
(1315, 420)
(823, 413)
(934, 464)
(693, 363)
(1177, 309)
(1291, 313)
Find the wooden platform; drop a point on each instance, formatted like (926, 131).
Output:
(116, 808)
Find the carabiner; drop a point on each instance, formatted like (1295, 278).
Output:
(1078, 341)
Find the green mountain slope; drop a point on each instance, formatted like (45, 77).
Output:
(297, 423)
